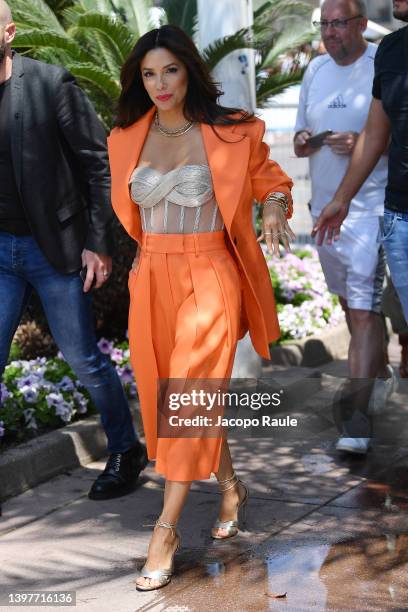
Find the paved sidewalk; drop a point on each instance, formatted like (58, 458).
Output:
(330, 531)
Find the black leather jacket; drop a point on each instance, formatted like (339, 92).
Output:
(60, 161)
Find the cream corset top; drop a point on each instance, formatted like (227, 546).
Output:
(181, 201)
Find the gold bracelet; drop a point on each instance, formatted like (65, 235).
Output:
(278, 199)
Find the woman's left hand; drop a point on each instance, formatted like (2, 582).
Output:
(275, 228)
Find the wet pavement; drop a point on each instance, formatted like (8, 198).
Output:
(328, 530)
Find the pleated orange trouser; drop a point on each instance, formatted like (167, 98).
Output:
(185, 302)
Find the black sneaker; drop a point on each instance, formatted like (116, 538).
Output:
(120, 474)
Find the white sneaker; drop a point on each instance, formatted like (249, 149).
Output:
(382, 391)
(359, 446)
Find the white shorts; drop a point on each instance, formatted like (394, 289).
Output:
(354, 266)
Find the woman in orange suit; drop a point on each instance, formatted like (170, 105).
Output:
(185, 173)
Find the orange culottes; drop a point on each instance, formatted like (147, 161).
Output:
(185, 304)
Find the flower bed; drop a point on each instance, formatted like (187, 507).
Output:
(304, 304)
(44, 394)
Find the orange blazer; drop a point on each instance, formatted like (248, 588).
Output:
(241, 172)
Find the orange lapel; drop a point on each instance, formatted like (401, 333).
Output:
(228, 163)
(125, 146)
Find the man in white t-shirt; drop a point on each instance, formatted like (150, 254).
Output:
(336, 96)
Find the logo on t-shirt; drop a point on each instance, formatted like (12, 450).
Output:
(338, 102)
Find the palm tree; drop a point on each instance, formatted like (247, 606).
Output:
(280, 27)
(291, 32)
(92, 39)
(58, 6)
(182, 13)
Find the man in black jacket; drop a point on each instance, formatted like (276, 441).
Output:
(55, 218)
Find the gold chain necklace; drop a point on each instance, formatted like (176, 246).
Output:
(172, 133)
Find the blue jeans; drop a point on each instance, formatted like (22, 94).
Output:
(395, 239)
(69, 313)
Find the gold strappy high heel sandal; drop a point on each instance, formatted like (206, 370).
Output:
(231, 527)
(163, 576)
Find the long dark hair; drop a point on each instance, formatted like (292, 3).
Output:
(202, 92)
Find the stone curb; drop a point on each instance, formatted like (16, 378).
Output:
(27, 465)
(38, 460)
(33, 462)
(314, 350)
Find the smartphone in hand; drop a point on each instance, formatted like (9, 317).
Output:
(317, 140)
